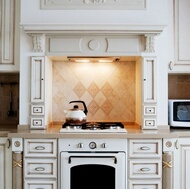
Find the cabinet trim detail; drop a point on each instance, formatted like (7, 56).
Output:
(7, 31)
(37, 79)
(93, 4)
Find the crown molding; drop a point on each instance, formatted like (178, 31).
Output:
(54, 29)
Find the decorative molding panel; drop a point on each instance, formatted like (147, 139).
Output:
(6, 31)
(93, 4)
(96, 45)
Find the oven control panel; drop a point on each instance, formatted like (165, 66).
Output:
(92, 144)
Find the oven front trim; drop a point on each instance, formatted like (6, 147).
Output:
(114, 159)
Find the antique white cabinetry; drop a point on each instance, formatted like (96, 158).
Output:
(40, 90)
(181, 60)
(145, 163)
(40, 163)
(5, 164)
(180, 164)
(149, 96)
(7, 20)
(37, 93)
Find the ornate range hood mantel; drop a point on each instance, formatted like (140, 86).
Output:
(95, 28)
(39, 31)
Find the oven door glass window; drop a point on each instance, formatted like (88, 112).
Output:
(94, 171)
(97, 176)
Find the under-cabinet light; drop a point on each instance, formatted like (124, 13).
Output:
(93, 59)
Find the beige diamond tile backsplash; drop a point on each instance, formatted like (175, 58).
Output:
(178, 86)
(108, 90)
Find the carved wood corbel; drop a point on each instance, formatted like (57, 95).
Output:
(38, 42)
(150, 43)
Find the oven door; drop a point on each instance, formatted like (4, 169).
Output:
(93, 170)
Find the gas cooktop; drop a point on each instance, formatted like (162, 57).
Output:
(100, 127)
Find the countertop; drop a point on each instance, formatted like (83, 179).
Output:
(133, 131)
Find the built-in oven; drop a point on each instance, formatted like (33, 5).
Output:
(92, 163)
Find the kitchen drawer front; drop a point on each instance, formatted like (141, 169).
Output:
(150, 123)
(37, 122)
(145, 169)
(34, 184)
(145, 184)
(40, 168)
(145, 148)
(150, 110)
(40, 147)
(37, 110)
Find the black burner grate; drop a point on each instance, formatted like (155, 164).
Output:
(95, 125)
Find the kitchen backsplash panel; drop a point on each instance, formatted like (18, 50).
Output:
(178, 86)
(108, 90)
(9, 92)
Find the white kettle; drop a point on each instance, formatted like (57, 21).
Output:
(75, 115)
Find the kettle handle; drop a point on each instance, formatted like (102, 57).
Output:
(80, 101)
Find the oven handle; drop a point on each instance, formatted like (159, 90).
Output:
(70, 157)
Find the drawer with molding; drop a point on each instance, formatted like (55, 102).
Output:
(31, 184)
(40, 163)
(40, 168)
(150, 123)
(37, 122)
(37, 109)
(40, 148)
(145, 148)
(145, 169)
(150, 110)
(145, 185)
(144, 163)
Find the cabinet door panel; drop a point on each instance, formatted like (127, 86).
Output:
(37, 79)
(182, 30)
(5, 165)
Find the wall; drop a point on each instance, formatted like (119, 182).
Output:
(5, 95)
(108, 89)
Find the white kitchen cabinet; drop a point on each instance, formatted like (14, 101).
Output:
(5, 164)
(180, 164)
(37, 79)
(7, 20)
(41, 79)
(149, 92)
(145, 163)
(181, 26)
(40, 163)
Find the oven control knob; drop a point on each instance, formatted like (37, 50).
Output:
(104, 145)
(92, 145)
(80, 145)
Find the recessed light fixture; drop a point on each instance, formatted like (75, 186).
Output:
(93, 59)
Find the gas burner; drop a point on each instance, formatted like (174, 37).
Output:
(103, 127)
(73, 127)
(91, 125)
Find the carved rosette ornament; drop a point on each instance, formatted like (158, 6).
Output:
(38, 42)
(150, 43)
